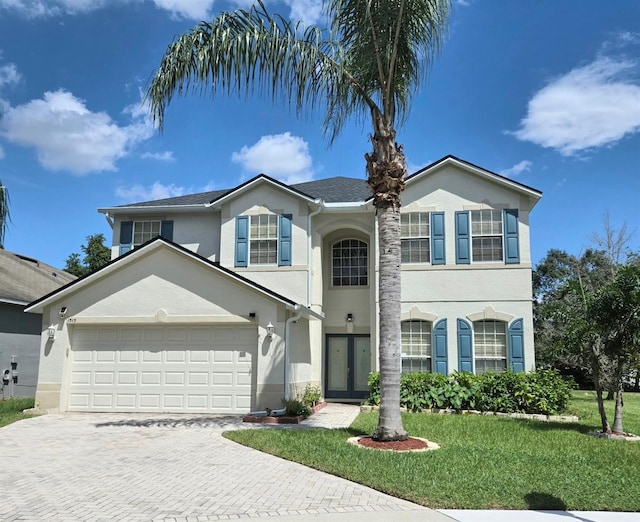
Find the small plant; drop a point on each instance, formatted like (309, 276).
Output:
(311, 395)
(295, 407)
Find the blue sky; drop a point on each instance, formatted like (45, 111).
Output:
(544, 91)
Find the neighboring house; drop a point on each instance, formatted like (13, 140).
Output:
(22, 279)
(228, 301)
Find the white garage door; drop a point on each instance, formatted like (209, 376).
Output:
(190, 369)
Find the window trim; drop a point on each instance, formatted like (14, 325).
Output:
(427, 237)
(366, 264)
(430, 355)
(499, 235)
(504, 333)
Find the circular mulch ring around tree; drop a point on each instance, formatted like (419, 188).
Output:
(411, 444)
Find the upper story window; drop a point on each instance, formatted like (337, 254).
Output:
(143, 231)
(490, 346)
(416, 346)
(414, 233)
(135, 233)
(263, 243)
(486, 235)
(263, 239)
(350, 263)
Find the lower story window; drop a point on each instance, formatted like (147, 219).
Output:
(416, 346)
(490, 346)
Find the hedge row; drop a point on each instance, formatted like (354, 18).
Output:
(542, 391)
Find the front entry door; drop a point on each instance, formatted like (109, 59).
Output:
(348, 363)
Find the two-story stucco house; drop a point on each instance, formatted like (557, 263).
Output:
(228, 301)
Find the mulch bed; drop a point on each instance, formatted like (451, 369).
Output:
(411, 444)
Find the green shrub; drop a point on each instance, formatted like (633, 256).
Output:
(311, 395)
(295, 407)
(540, 391)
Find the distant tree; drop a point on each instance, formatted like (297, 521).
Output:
(96, 254)
(5, 217)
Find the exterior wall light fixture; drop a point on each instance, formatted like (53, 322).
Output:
(270, 330)
(51, 332)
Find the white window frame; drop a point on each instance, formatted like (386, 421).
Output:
(494, 352)
(485, 230)
(145, 235)
(417, 345)
(357, 272)
(261, 242)
(413, 230)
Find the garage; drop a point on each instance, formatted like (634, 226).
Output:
(177, 369)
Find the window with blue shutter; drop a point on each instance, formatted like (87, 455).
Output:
(463, 238)
(440, 347)
(511, 241)
(166, 230)
(242, 240)
(284, 240)
(516, 346)
(126, 236)
(437, 238)
(465, 346)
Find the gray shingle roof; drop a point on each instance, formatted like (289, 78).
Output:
(331, 190)
(25, 279)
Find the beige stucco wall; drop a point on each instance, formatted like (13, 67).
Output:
(197, 231)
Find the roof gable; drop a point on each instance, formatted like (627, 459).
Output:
(132, 256)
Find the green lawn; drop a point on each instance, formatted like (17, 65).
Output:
(484, 462)
(11, 410)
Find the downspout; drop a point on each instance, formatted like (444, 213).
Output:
(109, 219)
(293, 319)
(287, 336)
(320, 204)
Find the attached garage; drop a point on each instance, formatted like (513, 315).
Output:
(180, 369)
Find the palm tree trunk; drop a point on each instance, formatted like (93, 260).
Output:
(386, 170)
(617, 416)
(390, 421)
(597, 381)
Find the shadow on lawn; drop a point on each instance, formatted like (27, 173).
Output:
(545, 501)
(555, 426)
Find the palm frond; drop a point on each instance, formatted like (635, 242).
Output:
(5, 216)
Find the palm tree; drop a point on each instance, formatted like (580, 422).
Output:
(5, 217)
(368, 64)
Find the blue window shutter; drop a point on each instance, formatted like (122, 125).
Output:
(516, 346)
(166, 230)
(242, 240)
(437, 238)
(126, 236)
(284, 240)
(465, 346)
(463, 238)
(439, 355)
(511, 247)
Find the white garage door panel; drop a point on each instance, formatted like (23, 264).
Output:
(162, 369)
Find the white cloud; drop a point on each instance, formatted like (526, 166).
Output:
(167, 155)
(309, 12)
(68, 136)
(139, 193)
(9, 74)
(281, 156)
(193, 9)
(1, 153)
(589, 107)
(517, 169)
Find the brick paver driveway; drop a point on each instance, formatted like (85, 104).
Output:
(73, 467)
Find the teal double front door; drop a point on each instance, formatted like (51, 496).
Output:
(347, 366)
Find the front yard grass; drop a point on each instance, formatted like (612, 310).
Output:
(485, 462)
(11, 410)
